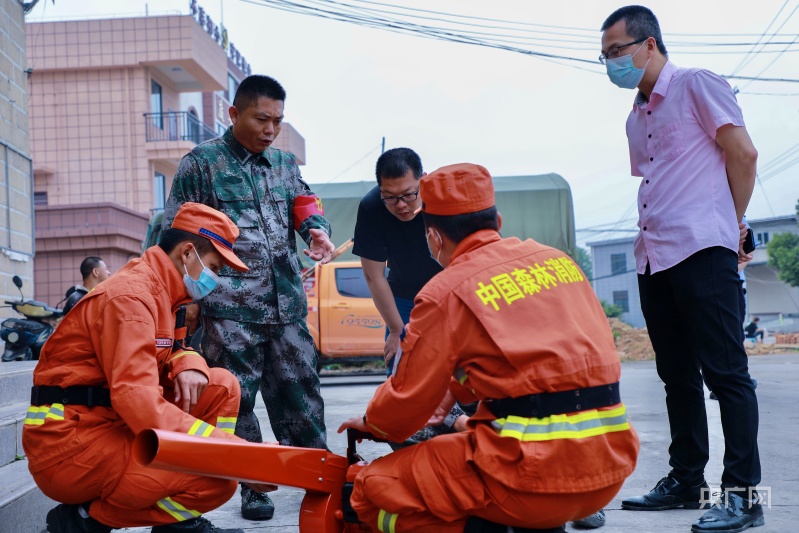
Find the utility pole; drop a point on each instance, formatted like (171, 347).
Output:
(383, 146)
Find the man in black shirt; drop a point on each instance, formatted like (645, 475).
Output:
(753, 330)
(93, 270)
(388, 233)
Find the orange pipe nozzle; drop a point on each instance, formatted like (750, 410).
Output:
(306, 468)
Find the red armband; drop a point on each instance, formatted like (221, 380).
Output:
(305, 206)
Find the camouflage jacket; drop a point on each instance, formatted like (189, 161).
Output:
(257, 192)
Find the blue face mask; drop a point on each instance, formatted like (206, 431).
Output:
(201, 287)
(623, 73)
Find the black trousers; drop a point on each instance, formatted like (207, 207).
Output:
(693, 317)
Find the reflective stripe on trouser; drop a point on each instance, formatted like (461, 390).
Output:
(432, 488)
(123, 494)
(201, 429)
(177, 511)
(280, 361)
(576, 426)
(386, 522)
(37, 414)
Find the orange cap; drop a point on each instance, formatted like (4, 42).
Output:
(214, 226)
(457, 190)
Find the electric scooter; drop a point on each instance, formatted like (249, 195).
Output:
(24, 337)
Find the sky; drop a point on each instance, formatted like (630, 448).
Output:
(349, 87)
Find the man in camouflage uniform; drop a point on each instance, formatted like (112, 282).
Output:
(254, 323)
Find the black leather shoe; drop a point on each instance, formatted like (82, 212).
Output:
(669, 494)
(195, 525)
(66, 518)
(481, 525)
(256, 506)
(730, 514)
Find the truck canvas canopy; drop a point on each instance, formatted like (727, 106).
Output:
(538, 207)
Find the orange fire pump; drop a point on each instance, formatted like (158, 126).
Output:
(326, 477)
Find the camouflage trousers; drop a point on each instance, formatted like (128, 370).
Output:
(428, 432)
(280, 361)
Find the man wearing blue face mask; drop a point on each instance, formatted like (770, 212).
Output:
(689, 145)
(114, 367)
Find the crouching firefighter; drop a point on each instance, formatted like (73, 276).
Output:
(515, 325)
(109, 371)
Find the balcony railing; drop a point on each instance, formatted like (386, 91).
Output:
(176, 126)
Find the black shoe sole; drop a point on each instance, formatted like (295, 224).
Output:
(685, 505)
(53, 525)
(760, 521)
(261, 513)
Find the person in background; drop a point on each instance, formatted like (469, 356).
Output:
(388, 233)
(254, 323)
(93, 270)
(688, 142)
(753, 330)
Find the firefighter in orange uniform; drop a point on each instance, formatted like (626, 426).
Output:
(516, 325)
(109, 371)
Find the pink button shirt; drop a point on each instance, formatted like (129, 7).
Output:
(684, 201)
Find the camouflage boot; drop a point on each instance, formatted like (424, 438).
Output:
(256, 506)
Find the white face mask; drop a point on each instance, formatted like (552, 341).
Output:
(437, 258)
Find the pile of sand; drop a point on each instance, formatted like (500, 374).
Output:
(633, 344)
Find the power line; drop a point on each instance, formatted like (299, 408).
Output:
(743, 62)
(508, 35)
(755, 78)
(334, 178)
(780, 55)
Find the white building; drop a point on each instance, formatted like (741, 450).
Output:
(775, 302)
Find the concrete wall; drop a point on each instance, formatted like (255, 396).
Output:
(16, 209)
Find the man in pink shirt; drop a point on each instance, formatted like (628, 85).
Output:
(688, 142)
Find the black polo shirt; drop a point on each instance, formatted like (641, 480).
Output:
(382, 237)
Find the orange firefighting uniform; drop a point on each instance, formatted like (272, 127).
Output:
(505, 319)
(120, 336)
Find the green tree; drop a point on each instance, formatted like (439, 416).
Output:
(611, 310)
(783, 255)
(583, 259)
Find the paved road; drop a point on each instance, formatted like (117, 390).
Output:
(778, 394)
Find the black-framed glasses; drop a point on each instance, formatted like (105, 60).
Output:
(615, 52)
(407, 198)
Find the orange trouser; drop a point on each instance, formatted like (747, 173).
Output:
(389, 498)
(124, 494)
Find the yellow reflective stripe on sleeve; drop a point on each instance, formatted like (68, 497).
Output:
(37, 414)
(386, 522)
(177, 511)
(203, 429)
(577, 426)
(226, 423)
(377, 430)
(181, 354)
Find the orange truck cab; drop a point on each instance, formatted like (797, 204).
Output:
(342, 317)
